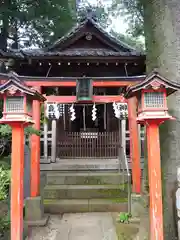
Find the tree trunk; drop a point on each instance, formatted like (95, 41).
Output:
(5, 6)
(162, 32)
(4, 34)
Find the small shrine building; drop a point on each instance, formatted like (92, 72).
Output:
(83, 76)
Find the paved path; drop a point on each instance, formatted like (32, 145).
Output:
(81, 226)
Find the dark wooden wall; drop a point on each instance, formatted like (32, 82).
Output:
(75, 70)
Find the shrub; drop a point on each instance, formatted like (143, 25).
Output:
(4, 225)
(4, 183)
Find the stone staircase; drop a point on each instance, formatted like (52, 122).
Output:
(77, 190)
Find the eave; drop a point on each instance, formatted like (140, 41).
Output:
(71, 81)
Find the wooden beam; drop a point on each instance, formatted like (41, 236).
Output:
(45, 140)
(97, 99)
(123, 133)
(35, 150)
(17, 176)
(154, 176)
(53, 146)
(73, 83)
(51, 83)
(134, 144)
(112, 83)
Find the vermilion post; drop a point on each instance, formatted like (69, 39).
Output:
(155, 186)
(17, 176)
(35, 150)
(134, 145)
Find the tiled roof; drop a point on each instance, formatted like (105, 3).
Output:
(60, 47)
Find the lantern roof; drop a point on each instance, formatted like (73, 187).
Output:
(13, 85)
(153, 81)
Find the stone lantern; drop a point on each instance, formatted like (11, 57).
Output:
(17, 100)
(152, 110)
(17, 112)
(152, 96)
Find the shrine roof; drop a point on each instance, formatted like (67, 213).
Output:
(68, 45)
(154, 76)
(89, 21)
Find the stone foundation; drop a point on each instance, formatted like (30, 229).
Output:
(34, 212)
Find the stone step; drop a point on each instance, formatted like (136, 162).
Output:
(85, 191)
(85, 205)
(87, 178)
(82, 165)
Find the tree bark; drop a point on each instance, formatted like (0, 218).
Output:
(4, 30)
(162, 32)
(4, 33)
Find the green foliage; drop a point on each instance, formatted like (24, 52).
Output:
(124, 217)
(104, 14)
(4, 183)
(5, 131)
(5, 224)
(133, 12)
(5, 162)
(42, 21)
(28, 131)
(130, 40)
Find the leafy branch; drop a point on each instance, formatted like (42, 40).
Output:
(6, 134)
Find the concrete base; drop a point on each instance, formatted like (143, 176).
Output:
(34, 212)
(38, 223)
(137, 205)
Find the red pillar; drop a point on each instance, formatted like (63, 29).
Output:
(134, 145)
(17, 176)
(35, 150)
(155, 187)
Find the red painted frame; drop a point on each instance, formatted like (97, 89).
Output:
(73, 83)
(96, 99)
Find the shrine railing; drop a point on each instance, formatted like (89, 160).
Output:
(88, 145)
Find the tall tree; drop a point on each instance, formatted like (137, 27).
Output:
(33, 22)
(162, 32)
(104, 15)
(133, 13)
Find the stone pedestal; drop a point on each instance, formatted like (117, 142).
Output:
(138, 203)
(34, 212)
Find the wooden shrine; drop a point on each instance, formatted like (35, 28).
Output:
(82, 76)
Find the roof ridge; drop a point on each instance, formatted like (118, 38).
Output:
(98, 26)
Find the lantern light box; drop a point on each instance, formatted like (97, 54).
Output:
(18, 99)
(152, 96)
